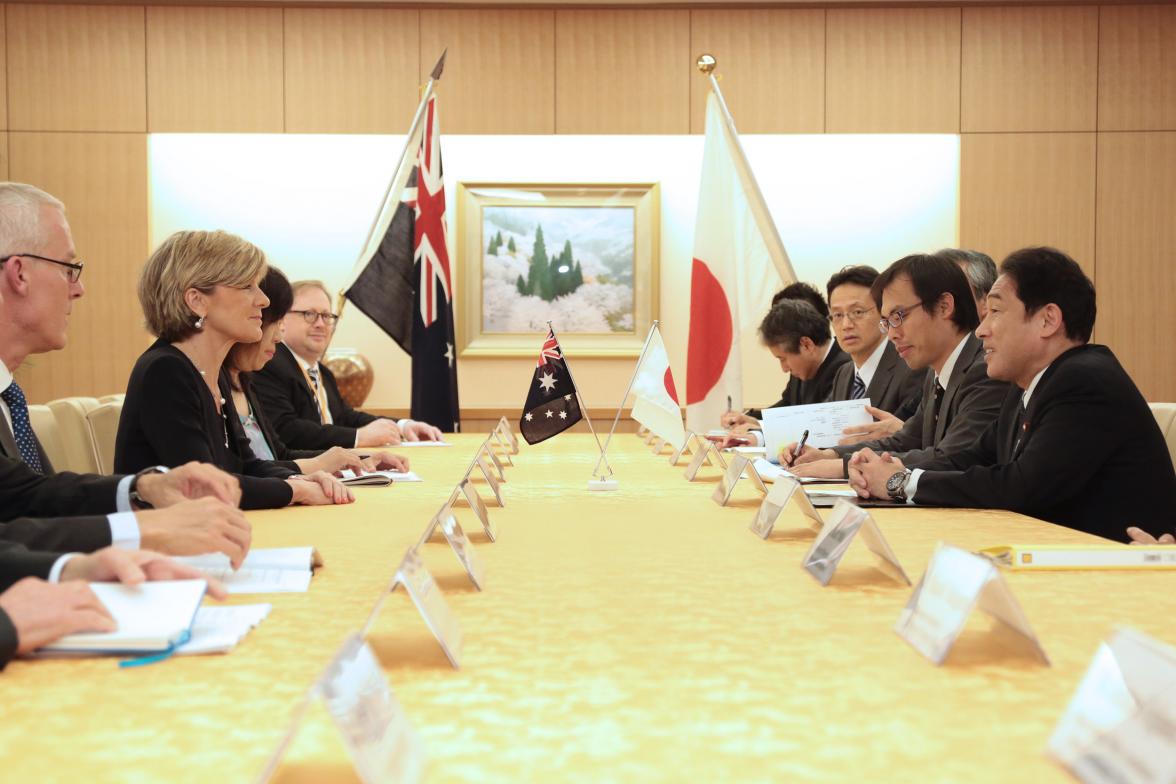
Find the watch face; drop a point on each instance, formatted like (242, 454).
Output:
(896, 482)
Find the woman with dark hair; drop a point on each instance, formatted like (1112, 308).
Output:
(245, 359)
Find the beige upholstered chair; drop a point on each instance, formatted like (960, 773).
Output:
(48, 433)
(112, 398)
(70, 413)
(103, 422)
(1166, 417)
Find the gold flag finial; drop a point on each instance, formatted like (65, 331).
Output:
(706, 63)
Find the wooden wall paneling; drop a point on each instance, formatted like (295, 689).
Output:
(214, 70)
(4, 156)
(500, 70)
(102, 178)
(1134, 272)
(1137, 68)
(351, 70)
(1029, 69)
(76, 68)
(3, 67)
(771, 68)
(894, 70)
(1022, 189)
(623, 71)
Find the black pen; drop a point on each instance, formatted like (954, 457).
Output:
(800, 446)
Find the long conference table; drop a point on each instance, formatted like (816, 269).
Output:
(638, 635)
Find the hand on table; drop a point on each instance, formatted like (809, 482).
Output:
(205, 525)
(1140, 536)
(191, 480)
(869, 472)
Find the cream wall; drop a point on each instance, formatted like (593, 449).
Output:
(1067, 116)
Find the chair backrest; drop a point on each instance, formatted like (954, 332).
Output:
(1166, 417)
(112, 398)
(49, 434)
(70, 413)
(103, 422)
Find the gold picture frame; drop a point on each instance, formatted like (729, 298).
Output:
(582, 289)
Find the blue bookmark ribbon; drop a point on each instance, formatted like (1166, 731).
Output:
(152, 658)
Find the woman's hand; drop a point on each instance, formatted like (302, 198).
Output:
(319, 489)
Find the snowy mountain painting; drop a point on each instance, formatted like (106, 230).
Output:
(569, 265)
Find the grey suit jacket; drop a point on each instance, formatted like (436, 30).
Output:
(893, 386)
(970, 404)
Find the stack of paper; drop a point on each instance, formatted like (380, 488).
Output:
(272, 570)
(379, 478)
(219, 629)
(770, 472)
(151, 617)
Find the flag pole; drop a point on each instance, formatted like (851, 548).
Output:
(759, 207)
(587, 417)
(628, 389)
(434, 77)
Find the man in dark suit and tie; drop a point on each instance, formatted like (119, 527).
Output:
(875, 370)
(299, 393)
(928, 313)
(1075, 442)
(40, 277)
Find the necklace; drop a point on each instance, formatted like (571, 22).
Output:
(216, 396)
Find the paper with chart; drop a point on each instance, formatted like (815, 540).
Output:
(823, 421)
(218, 629)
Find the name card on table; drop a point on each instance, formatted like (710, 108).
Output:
(642, 431)
(781, 492)
(504, 429)
(684, 449)
(380, 740)
(429, 602)
(488, 453)
(479, 506)
(1121, 723)
(739, 467)
(649, 437)
(844, 523)
(496, 439)
(487, 472)
(955, 583)
(707, 453)
(659, 444)
(462, 548)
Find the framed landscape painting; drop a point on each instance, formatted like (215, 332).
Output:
(583, 257)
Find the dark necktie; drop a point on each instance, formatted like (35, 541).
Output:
(1019, 430)
(313, 372)
(22, 429)
(858, 390)
(938, 400)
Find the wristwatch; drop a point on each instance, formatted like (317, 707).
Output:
(133, 491)
(896, 485)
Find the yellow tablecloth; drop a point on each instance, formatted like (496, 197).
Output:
(639, 635)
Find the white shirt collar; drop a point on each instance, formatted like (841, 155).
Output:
(870, 366)
(298, 357)
(944, 376)
(1028, 393)
(5, 377)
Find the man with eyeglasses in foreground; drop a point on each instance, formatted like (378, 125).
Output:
(928, 313)
(299, 393)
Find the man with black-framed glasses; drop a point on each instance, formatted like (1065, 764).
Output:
(299, 393)
(928, 313)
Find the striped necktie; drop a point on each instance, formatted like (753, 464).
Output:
(858, 390)
(313, 373)
(22, 429)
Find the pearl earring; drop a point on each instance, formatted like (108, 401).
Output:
(199, 323)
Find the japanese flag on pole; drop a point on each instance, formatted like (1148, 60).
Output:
(739, 263)
(656, 405)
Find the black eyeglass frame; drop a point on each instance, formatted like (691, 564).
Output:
(311, 316)
(75, 268)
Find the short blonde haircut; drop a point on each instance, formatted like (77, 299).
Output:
(193, 260)
(299, 286)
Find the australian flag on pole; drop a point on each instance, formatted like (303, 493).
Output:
(552, 403)
(406, 287)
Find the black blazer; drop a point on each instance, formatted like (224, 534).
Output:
(169, 418)
(16, 563)
(970, 404)
(25, 493)
(289, 404)
(1091, 455)
(815, 390)
(894, 387)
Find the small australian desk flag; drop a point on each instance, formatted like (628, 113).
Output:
(552, 403)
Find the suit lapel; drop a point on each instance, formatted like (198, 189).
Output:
(963, 363)
(883, 375)
(294, 365)
(7, 440)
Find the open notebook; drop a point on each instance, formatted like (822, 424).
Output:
(377, 478)
(151, 617)
(265, 570)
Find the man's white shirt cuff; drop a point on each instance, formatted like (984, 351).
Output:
(122, 494)
(913, 485)
(58, 565)
(124, 530)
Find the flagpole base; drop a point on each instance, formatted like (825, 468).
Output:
(603, 484)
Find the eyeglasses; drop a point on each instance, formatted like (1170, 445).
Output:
(75, 268)
(854, 315)
(311, 316)
(896, 317)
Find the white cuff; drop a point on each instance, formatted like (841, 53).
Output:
(913, 485)
(122, 495)
(124, 530)
(58, 565)
(757, 438)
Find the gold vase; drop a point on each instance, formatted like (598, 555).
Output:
(353, 373)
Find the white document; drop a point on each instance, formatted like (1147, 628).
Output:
(770, 472)
(824, 421)
(219, 629)
(151, 617)
(748, 450)
(405, 444)
(376, 478)
(265, 570)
